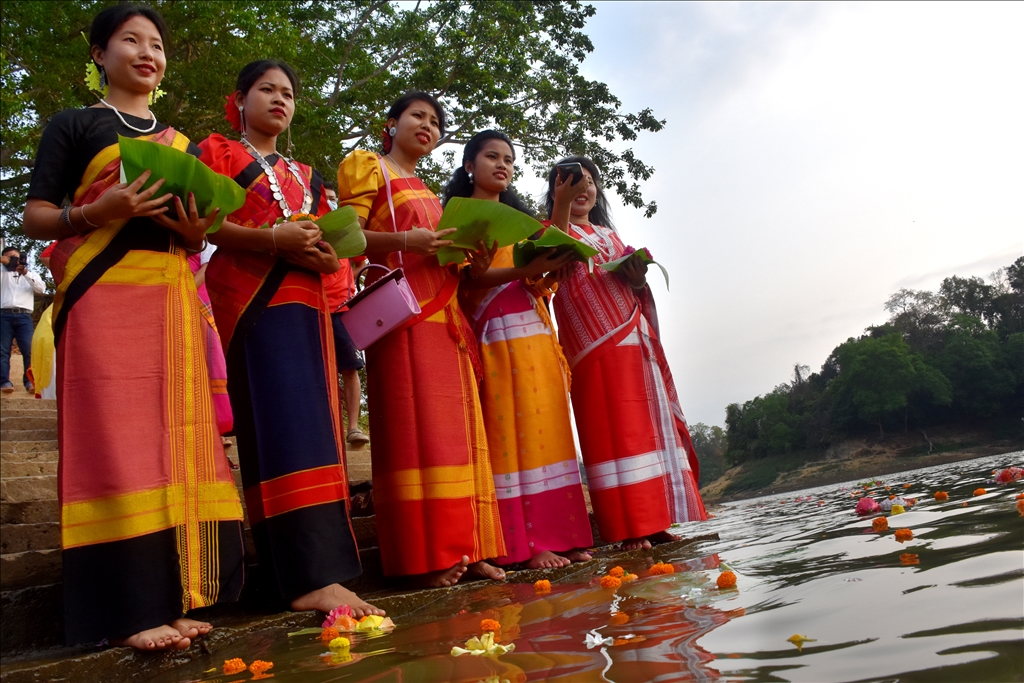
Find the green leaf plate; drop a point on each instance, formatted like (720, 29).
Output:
(642, 254)
(526, 251)
(479, 220)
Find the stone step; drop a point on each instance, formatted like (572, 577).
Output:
(28, 446)
(29, 568)
(29, 403)
(46, 434)
(19, 538)
(30, 456)
(28, 489)
(21, 422)
(33, 468)
(29, 412)
(34, 512)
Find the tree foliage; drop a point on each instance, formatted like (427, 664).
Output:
(507, 64)
(952, 355)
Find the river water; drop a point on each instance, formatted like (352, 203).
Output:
(806, 565)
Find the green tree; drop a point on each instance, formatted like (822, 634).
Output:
(710, 443)
(977, 367)
(506, 64)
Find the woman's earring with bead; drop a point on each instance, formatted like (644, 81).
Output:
(470, 178)
(392, 131)
(288, 151)
(241, 114)
(103, 78)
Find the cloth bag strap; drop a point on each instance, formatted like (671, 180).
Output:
(391, 202)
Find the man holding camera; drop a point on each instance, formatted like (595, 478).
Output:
(18, 288)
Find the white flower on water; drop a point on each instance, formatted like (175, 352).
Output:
(595, 640)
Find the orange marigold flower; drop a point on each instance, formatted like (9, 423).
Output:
(662, 568)
(1020, 496)
(904, 535)
(630, 577)
(542, 586)
(909, 559)
(618, 619)
(627, 641)
(906, 486)
(880, 524)
(328, 634)
(610, 582)
(980, 492)
(234, 666)
(726, 580)
(891, 497)
(345, 623)
(301, 217)
(490, 625)
(1020, 507)
(617, 572)
(259, 666)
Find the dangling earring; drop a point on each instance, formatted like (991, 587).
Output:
(103, 78)
(470, 178)
(241, 114)
(288, 150)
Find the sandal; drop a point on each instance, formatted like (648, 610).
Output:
(356, 436)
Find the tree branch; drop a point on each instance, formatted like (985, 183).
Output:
(15, 181)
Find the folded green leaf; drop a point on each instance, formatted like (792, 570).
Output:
(182, 174)
(642, 254)
(524, 252)
(342, 231)
(481, 220)
(313, 630)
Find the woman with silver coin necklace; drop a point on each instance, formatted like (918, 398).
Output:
(268, 300)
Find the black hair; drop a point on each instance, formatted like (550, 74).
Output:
(7, 249)
(328, 185)
(461, 186)
(403, 103)
(600, 214)
(106, 23)
(252, 71)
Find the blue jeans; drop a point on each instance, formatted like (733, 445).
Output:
(14, 326)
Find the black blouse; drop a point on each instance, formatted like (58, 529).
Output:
(71, 140)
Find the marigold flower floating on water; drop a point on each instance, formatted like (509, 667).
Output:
(1010, 474)
(941, 495)
(897, 510)
(617, 572)
(484, 646)
(904, 535)
(234, 666)
(328, 634)
(980, 492)
(906, 486)
(630, 577)
(661, 568)
(542, 586)
(618, 619)
(1020, 496)
(490, 625)
(799, 641)
(907, 559)
(726, 580)
(627, 640)
(880, 524)
(610, 582)
(259, 669)
(340, 644)
(1020, 507)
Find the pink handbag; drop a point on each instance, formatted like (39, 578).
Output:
(384, 305)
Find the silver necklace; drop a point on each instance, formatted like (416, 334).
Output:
(108, 105)
(275, 185)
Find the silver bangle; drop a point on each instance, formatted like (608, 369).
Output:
(197, 251)
(86, 218)
(65, 216)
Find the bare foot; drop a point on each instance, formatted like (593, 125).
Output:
(636, 544)
(444, 577)
(327, 598)
(190, 628)
(546, 559)
(159, 638)
(578, 556)
(484, 570)
(662, 537)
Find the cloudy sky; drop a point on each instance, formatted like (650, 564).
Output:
(817, 158)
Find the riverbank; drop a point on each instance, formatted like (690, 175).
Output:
(859, 458)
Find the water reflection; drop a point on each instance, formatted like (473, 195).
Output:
(803, 568)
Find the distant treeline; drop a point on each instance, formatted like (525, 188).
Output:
(952, 356)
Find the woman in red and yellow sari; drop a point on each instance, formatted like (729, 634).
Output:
(150, 517)
(271, 311)
(437, 515)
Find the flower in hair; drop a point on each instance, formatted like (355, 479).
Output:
(231, 113)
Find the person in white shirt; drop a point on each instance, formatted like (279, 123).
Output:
(18, 287)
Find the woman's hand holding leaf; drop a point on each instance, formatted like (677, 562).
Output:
(189, 225)
(426, 242)
(546, 261)
(480, 260)
(125, 200)
(296, 236)
(320, 257)
(634, 272)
